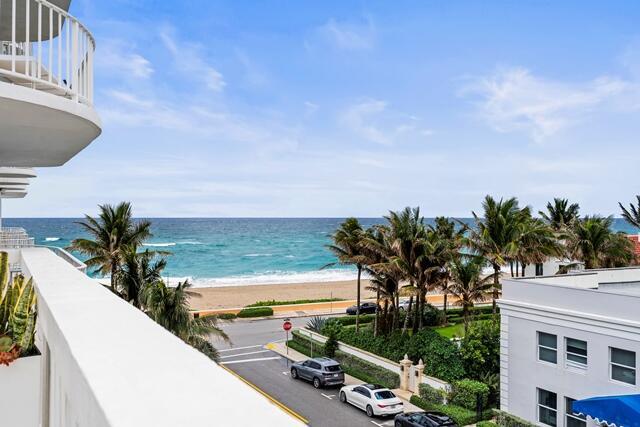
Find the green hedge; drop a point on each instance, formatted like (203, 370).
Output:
(297, 301)
(351, 365)
(466, 392)
(351, 320)
(256, 312)
(504, 419)
(460, 415)
(431, 394)
(226, 316)
(486, 424)
(443, 356)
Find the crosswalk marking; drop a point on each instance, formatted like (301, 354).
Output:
(230, 362)
(244, 354)
(239, 348)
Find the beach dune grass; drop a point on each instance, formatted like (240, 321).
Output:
(269, 303)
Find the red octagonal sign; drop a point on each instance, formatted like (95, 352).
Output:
(286, 325)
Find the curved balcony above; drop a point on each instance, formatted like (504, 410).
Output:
(46, 84)
(17, 172)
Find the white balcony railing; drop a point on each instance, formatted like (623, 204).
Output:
(49, 50)
(105, 363)
(15, 238)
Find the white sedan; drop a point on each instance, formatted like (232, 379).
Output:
(373, 399)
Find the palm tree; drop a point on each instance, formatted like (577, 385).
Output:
(453, 238)
(112, 232)
(594, 243)
(536, 243)
(139, 270)
(560, 214)
(406, 231)
(347, 247)
(468, 285)
(169, 307)
(632, 215)
(495, 235)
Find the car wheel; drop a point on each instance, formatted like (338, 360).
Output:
(343, 397)
(317, 383)
(398, 424)
(369, 411)
(294, 373)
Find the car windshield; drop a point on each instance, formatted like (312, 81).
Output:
(384, 394)
(332, 368)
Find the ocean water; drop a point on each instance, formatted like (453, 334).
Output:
(223, 251)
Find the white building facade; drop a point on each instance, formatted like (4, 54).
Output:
(568, 337)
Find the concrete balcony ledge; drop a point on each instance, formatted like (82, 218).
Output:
(105, 363)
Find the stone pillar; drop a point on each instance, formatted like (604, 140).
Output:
(419, 374)
(405, 370)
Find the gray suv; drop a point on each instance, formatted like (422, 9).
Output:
(321, 371)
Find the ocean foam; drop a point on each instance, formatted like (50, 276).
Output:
(159, 245)
(51, 239)
(276, 277)
(256, 255)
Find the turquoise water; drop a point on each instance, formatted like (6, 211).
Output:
(215, 251)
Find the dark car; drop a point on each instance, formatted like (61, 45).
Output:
(423, 419)
(365, 308)
(321, 371)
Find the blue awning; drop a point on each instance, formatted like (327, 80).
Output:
(621, 411)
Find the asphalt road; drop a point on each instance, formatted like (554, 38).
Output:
(269, 371)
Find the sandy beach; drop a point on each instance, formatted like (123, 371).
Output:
(240, 296)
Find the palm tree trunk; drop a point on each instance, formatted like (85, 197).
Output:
(396, 312)
(524, 266)
(445, 302)
(407, 315)
(114, 272)
(465, 316)
(496, 284)
(511, 267)
(375, 322)
(385, 317)
(358, 300)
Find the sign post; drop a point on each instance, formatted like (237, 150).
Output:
(286, 326)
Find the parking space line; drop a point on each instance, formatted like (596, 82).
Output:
(330, 396)
(378, 424)
(238, 348)
(230, 362)
(286, 409)
(285, 373)
(244, 354)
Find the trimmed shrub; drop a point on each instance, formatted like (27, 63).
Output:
(443, 355)
(480, 349)
(504, 419)
(433, 316)
(351, 320)
(256, 312)
(466, 393)
(226, 316)
(461, 416)
(431, 394)
(332, 331)
(486, 424)
(291, 302)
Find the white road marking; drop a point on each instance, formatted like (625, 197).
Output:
(239, 348)
(378, 424)
(250, 360)
(330, 396)
(244, 354)
(285, 373)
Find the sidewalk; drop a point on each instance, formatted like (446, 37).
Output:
(294, 356)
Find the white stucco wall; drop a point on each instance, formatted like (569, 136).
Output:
(601, 319)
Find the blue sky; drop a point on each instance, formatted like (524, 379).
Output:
(335, 108)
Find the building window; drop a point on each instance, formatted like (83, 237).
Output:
(571, 419)
(576, 353)
(539, 269)
(547, 407)
(623, 365)
(547, 347)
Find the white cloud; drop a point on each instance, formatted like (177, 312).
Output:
(373, 121)
(115, 55)
(514, 99)
(189, 58)
(349, 36)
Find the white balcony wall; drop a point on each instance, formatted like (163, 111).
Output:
(105, 363)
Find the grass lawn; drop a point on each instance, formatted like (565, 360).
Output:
(451, 331)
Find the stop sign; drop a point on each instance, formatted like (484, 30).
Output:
(286, 325)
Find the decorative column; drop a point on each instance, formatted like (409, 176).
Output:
(405, 370)
(419, 374)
